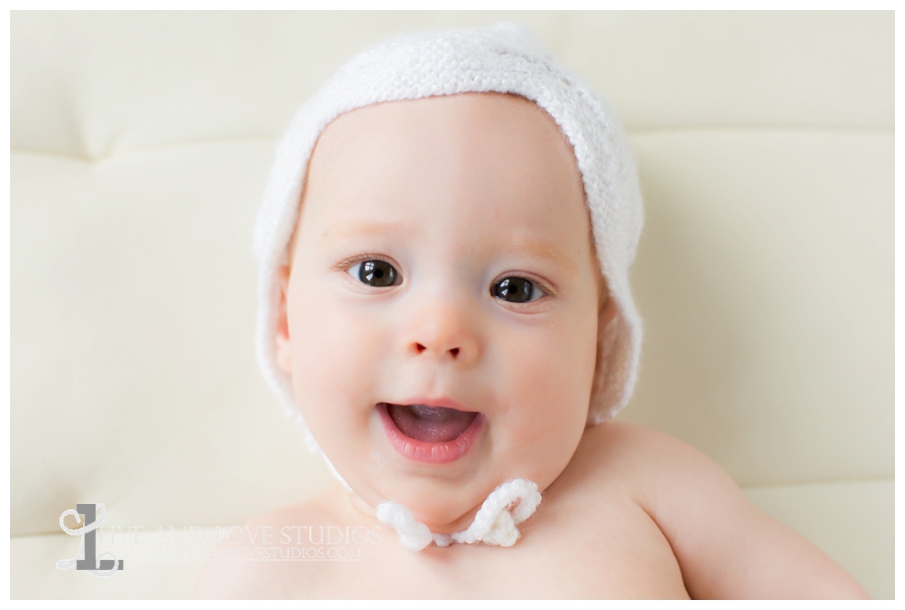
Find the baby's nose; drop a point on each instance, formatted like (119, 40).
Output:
(444, 333)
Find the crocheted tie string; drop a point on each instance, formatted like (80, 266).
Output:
(495, 523)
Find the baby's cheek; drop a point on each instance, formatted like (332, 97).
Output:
(549, 384)
(333, 361)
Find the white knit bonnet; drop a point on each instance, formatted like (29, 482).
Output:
(505, 59)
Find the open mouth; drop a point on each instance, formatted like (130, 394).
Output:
(430, 433)
(430, 424)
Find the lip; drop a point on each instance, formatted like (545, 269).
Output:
(422, 451)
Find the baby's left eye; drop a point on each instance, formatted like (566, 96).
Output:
(516, 290)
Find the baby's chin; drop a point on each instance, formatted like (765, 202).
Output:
(445, 504)
(445, 509)
(444, 494)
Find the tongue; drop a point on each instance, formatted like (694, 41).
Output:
(430, 424)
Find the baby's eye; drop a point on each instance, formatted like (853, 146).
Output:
(516, 290)
(374, 273)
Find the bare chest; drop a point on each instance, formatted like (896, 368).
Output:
(613, 551)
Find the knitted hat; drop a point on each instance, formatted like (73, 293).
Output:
(503, 59)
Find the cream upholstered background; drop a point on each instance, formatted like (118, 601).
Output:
(140, 147)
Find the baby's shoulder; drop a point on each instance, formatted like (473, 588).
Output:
(623, 439)
(725, 547)
(634, 457)
(618, 462)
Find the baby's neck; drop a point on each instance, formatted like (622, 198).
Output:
(494, 522)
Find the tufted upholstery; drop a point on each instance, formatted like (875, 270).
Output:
(140, 148)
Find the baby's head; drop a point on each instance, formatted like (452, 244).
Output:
(438, 316)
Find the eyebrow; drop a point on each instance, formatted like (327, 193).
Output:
(541, 250)
(348, 230)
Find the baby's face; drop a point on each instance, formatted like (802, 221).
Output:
(440, 309)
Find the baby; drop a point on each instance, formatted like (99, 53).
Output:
(445, 308)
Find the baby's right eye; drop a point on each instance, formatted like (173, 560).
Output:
(374, 273)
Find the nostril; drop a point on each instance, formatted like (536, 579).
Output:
(419, 348)
(454, 351)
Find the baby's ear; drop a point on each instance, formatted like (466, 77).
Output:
(284, 348)
(607, 311)
(606, 308)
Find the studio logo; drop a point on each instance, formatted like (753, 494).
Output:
(94, 518)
